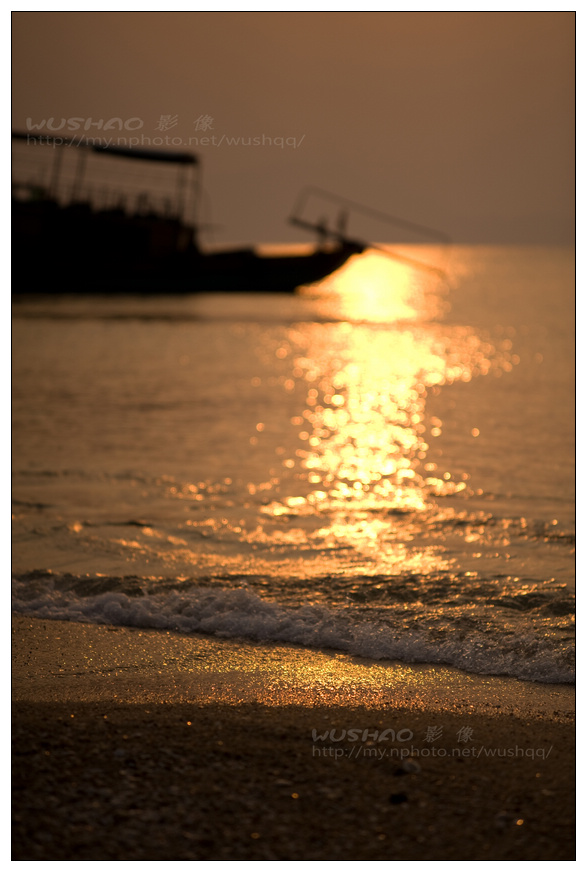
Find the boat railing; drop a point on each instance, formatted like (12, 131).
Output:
(138, 182)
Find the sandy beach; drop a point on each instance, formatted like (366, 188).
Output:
(147, 745)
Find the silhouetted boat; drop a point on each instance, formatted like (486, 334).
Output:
(68, 237)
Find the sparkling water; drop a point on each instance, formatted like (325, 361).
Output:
(381, 464)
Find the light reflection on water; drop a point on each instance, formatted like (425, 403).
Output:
(364, 433)
(266, 467)
(299, 433)
(350, 486)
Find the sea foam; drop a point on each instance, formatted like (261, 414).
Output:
(241, 613)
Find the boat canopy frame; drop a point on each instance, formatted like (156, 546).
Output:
(187, 186)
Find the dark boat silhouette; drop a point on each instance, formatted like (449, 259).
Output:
(74, 234)
(66, 239)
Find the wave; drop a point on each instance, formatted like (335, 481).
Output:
(238, 612)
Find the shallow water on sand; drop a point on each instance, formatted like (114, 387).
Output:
(381, 464)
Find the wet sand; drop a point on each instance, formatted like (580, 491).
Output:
(147, 745)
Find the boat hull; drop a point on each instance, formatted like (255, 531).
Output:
(76, 250)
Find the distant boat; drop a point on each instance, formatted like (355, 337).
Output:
(68, 237)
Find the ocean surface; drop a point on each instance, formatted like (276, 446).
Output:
(381, 464)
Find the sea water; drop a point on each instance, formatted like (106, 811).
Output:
(381, 464)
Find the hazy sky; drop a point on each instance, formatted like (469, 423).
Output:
(463, 121)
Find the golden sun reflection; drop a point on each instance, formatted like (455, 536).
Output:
(363, 430)
(363, 434)
(351, 485)
(376, 288)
